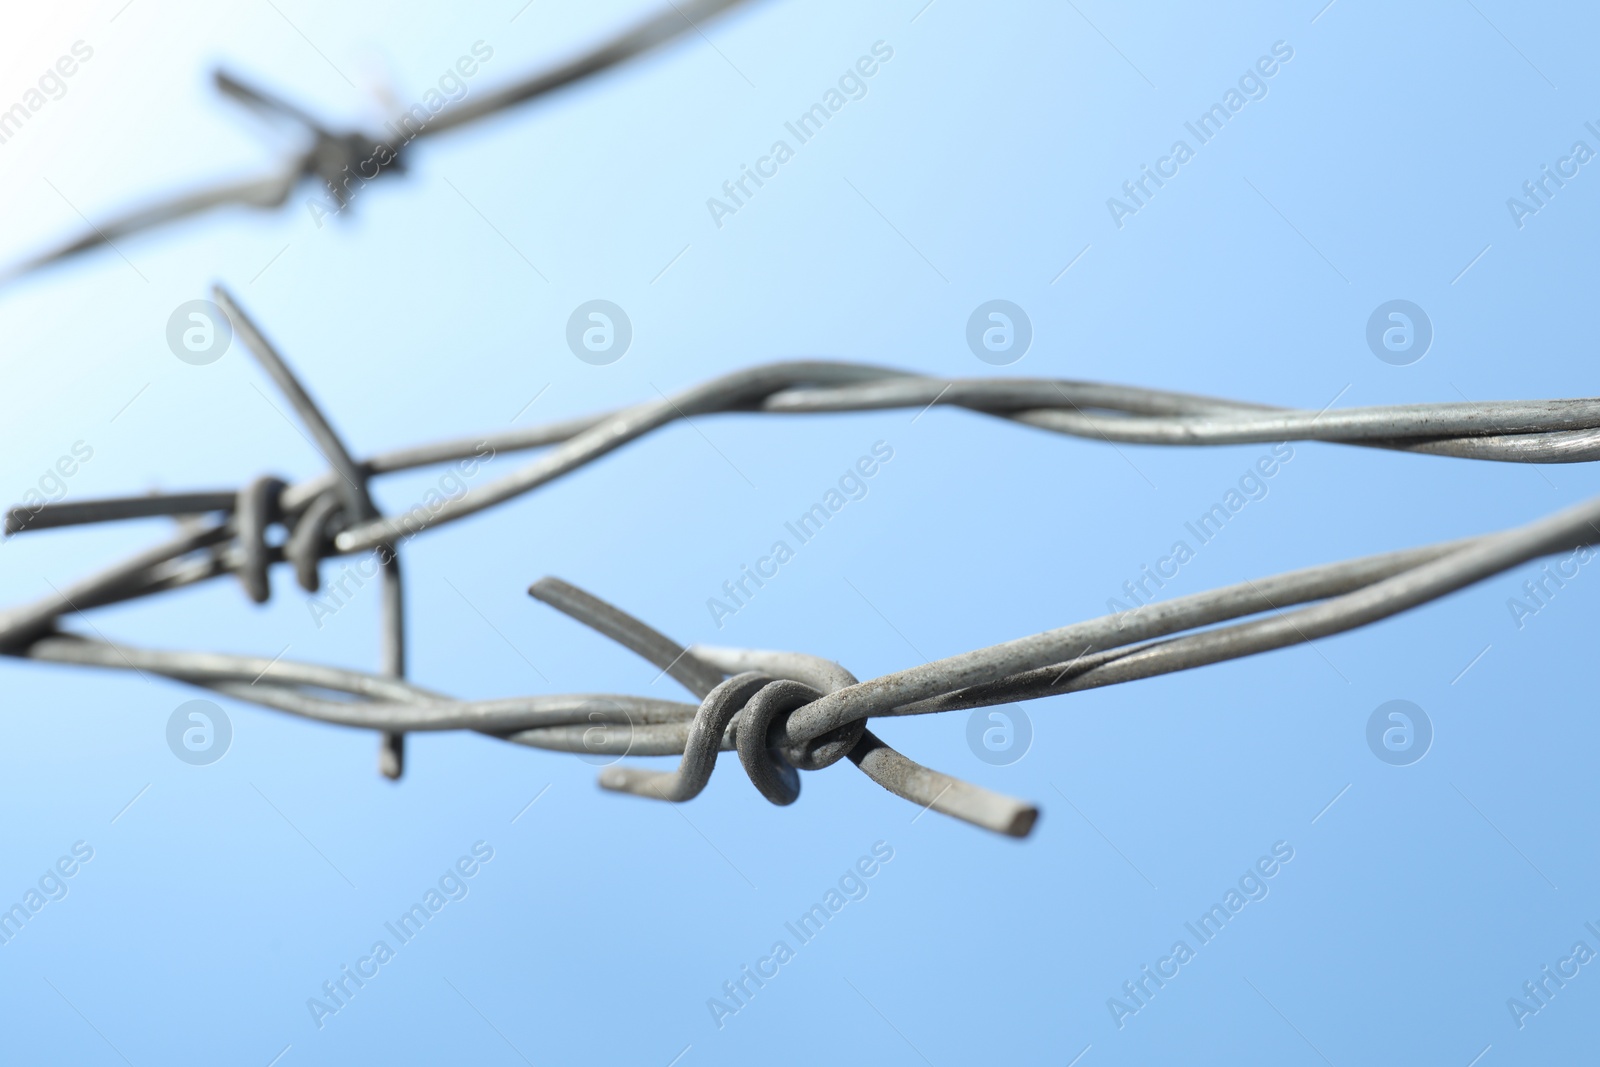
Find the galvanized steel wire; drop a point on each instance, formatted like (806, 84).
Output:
(781, 712)
(335, 158)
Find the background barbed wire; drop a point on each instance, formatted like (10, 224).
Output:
(1378, 166)
(781, 711)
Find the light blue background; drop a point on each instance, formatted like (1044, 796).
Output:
(1377, 167)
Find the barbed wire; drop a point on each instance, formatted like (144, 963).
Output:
(337, 158)
(782, 712)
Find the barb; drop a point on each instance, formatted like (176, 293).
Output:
(782, 712)
(798, 712)
(335, 158)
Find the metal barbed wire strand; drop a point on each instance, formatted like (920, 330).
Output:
(335, 158)
(1545, 431)
(357, 504)
(777, 706)
(562, 723)
(806, 712)
(1562, 431)
(309, 513)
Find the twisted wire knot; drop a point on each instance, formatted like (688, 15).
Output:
(310, 532)
(772, 767)
(750, 712)
(752, 707)
(258, 509)
(311, 537)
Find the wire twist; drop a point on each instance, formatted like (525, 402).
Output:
(337, 160)
(782, 712)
